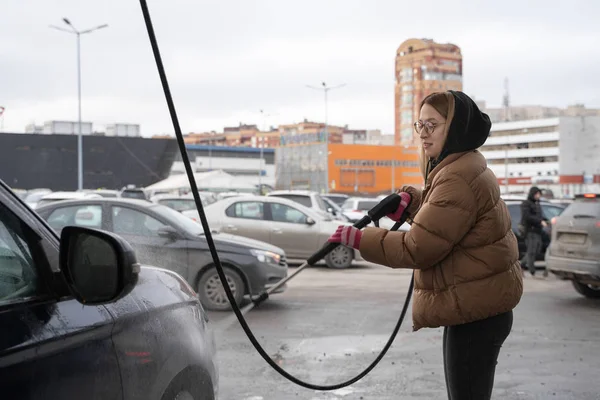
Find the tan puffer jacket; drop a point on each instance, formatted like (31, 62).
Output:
(461, 245)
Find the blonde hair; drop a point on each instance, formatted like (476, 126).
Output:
(443, 103)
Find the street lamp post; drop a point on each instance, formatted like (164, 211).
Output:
(78, 34)
(326, 90)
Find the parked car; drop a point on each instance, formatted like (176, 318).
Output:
(164, 237)
(76, 322)
(298, 230)
(60, 196)
(550, 211)
(574, 252)
(307, 199)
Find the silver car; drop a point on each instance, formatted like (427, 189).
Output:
(574, 251)
(300, 231)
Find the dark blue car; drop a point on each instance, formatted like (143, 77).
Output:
(81, 319)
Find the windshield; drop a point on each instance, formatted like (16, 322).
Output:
(179, 220)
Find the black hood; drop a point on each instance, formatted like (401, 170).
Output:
(469, 128)
(532, 192)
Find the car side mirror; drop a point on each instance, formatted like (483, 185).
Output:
(99, 267)
(310, 221)
(168, 232)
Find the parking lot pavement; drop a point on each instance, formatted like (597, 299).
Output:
(330, 324)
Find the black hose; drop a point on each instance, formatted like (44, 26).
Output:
(380, 208)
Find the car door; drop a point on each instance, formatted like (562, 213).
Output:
(144, 232)
(290, 230)
(49, 348)
(247, 218)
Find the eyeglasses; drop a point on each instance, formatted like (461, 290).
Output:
(428, 125)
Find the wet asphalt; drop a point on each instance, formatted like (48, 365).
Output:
(330, 324)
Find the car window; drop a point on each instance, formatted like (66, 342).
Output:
(551, 211)
(18, 276)
(304, 200)
(515, 214)
(348, 205)
(246, 209)
(284, 213)
(585, 207)
(83, 215)
(133, 194)
(127, 221)
(320, 203)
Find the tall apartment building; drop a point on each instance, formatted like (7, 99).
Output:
(422, 67)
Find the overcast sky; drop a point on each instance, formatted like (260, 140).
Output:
(226, 60)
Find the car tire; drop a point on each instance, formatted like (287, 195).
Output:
(586, 290)
(189, 386)
(211, 293)
(341, 257)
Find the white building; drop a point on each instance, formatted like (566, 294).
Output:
(561, 154)
(66, 128)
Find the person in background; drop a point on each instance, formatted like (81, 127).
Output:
(465, 256)
(533, 222)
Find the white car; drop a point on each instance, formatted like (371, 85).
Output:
(298, 230)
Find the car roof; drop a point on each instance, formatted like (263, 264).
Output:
(116, 200)
(68, 195)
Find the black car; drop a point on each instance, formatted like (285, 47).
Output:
(164, 237)
(81, 319)
(550, 211)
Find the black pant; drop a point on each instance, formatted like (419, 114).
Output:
(533, 241)
(471, 354)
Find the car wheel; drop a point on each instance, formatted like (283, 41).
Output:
(340, 258)
(590, 291)
(189, 386)
(211, 292)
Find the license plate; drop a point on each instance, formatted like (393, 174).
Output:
(574, 238)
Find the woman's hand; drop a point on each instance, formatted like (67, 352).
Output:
(346, 235)
(405, 200)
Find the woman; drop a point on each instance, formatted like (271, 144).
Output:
(461, 245)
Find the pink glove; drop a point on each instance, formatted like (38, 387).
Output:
(346, 235)
(404, 201)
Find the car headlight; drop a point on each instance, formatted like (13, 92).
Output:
(266, 256)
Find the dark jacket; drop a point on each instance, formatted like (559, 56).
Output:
(531, 213)
(460, 243)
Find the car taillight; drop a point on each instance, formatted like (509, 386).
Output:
(589, 196)
(597, 224)
(553, 221)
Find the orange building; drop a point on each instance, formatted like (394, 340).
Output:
(422, 67)
(369, 169)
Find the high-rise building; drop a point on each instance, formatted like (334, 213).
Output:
(422, 67)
